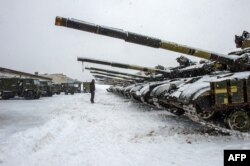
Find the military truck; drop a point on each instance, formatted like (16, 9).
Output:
(21, 87)
(57, 88)
(86, 88)
(46, 88)
(68, 88)
(77, 86)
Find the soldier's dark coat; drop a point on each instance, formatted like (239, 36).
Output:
(92, 90)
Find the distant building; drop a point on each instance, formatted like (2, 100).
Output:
(59, 78)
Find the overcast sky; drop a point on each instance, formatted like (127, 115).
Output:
(30, 42)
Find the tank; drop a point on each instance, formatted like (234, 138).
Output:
(118, 84)
(135, 93)
(225, 92)
(125, 76)
(186, 68)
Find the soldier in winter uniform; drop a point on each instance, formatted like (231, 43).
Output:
(92, 90)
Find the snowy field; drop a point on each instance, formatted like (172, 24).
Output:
(69, 130)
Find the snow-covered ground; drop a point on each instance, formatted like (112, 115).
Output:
(69, 130)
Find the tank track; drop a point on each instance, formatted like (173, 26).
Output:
(216, 128)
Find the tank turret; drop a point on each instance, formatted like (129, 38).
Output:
(239, 63)
(243, 41)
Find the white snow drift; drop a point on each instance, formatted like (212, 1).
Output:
(69, 130)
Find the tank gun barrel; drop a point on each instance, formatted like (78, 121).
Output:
(142, 40)
(113, 75)
(122, 65)
(115, 72)
(112, 78)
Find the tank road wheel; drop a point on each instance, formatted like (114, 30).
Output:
(177, 111)
(238, 120)
(206, 114)
(203, 108)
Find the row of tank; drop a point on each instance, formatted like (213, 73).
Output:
(216, 87)
(29, 88)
